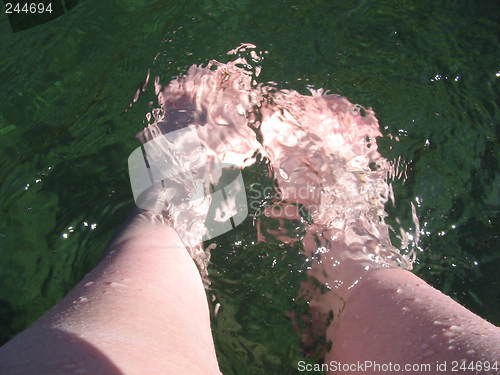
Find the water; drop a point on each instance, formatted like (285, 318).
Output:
(429, 70)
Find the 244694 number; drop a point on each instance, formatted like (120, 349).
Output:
(17, 7)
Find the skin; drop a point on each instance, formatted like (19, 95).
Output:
(143, 309)
(394, 316)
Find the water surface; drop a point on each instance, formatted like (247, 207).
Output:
(428, 69)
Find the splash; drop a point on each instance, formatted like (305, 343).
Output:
(322, 152)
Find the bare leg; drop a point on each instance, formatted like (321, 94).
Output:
(142, 310)
(393, 316)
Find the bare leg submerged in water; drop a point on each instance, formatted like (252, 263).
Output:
(143, 309)
(392, 321)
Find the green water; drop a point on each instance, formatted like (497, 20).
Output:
(428, 68)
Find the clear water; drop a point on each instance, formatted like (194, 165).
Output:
(430, 71)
